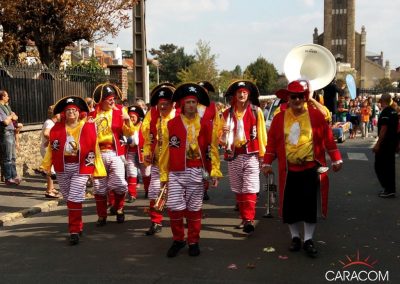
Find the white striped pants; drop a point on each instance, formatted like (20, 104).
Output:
(115, 179)
(72, 184)
(244, 174)
(185, 190)
(133, 166)
(154, 187)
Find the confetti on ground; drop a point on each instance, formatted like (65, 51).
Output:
(232, 266)
(284, 257)
(349, 193)
(321, 242)
(352, 218)
(268, 249)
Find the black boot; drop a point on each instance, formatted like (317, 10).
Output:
(175, 248)
(74, 239)
(206, 197)
(194, 249)
(154, 229)
(248, 227)
(295, 244)
(310, 248)
(101, 222)
(120, 216)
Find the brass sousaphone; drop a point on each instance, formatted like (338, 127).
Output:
(311, 62)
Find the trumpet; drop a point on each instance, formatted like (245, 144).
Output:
(161, 200)
(101, 123)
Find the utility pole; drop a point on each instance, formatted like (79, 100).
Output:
(140, 70)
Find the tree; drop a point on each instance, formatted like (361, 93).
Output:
(265, 75)
(171, 59)
(204, 67)
(90, 71)
(55, 24)
(384, 84)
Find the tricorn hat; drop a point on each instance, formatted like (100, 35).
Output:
(254, 93)
(191, 89)
(70, 101)
(137, 110)
(161, 91)
(102, 91)
(299, 87)
(207, 85)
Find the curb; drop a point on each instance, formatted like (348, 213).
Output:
(42, 207)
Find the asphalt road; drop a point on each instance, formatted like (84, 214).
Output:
(362, 231)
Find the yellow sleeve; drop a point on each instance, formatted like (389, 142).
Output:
(163, 161)
(146, 134)
(220, 132)
(215, 161)
(47, 160)
(261, 132)
(99, 169)
(127, 129)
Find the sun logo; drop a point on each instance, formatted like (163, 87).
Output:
(358, 261)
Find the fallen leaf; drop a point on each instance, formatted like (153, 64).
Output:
(269, 249)
(321, 242)
(349, 192)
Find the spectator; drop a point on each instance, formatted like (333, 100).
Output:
(386, 147)
(51, 192)
(8, 123)
(365, 113)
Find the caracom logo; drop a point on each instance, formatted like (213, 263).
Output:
(357, 269)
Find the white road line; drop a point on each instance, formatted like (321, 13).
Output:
(357, 156)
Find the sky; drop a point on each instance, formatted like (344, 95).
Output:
(240, 31)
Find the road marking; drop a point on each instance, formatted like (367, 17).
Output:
(357, 156)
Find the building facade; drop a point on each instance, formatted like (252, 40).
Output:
(349, 46)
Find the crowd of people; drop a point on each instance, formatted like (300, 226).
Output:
(174, 143)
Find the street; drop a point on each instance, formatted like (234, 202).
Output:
(360, 226)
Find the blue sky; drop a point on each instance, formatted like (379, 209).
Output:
(239, 31)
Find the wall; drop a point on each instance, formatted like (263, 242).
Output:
(28, 154)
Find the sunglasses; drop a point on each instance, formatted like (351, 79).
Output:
(300, 97)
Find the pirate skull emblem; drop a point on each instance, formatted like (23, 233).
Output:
(89, 160)
(55, 145)
(174, 142)
(253, 133)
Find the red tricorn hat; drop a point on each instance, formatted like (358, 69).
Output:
(297, 87)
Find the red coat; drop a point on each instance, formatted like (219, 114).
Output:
(322, 140)
(87, 145)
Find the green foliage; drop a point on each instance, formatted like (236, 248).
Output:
(171, 60)
(90, 71)
(264, 74)
(204, 67)
(384, 84)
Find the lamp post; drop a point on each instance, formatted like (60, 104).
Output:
(157, 64)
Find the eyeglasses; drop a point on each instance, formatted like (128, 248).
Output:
(300, 97)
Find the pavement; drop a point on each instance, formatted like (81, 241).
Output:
(24, 200)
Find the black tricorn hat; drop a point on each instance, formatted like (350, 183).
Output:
(254, 93)
(161, 91)
(70, 100)
(207, 85)
(137, 110)
(104, 90)
(191, 89)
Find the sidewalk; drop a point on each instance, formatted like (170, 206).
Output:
(26, 199)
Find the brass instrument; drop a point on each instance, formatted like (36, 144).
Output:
(229, 154)
(101, 124)
(161, 200)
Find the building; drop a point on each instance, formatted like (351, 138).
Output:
(349, 46)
